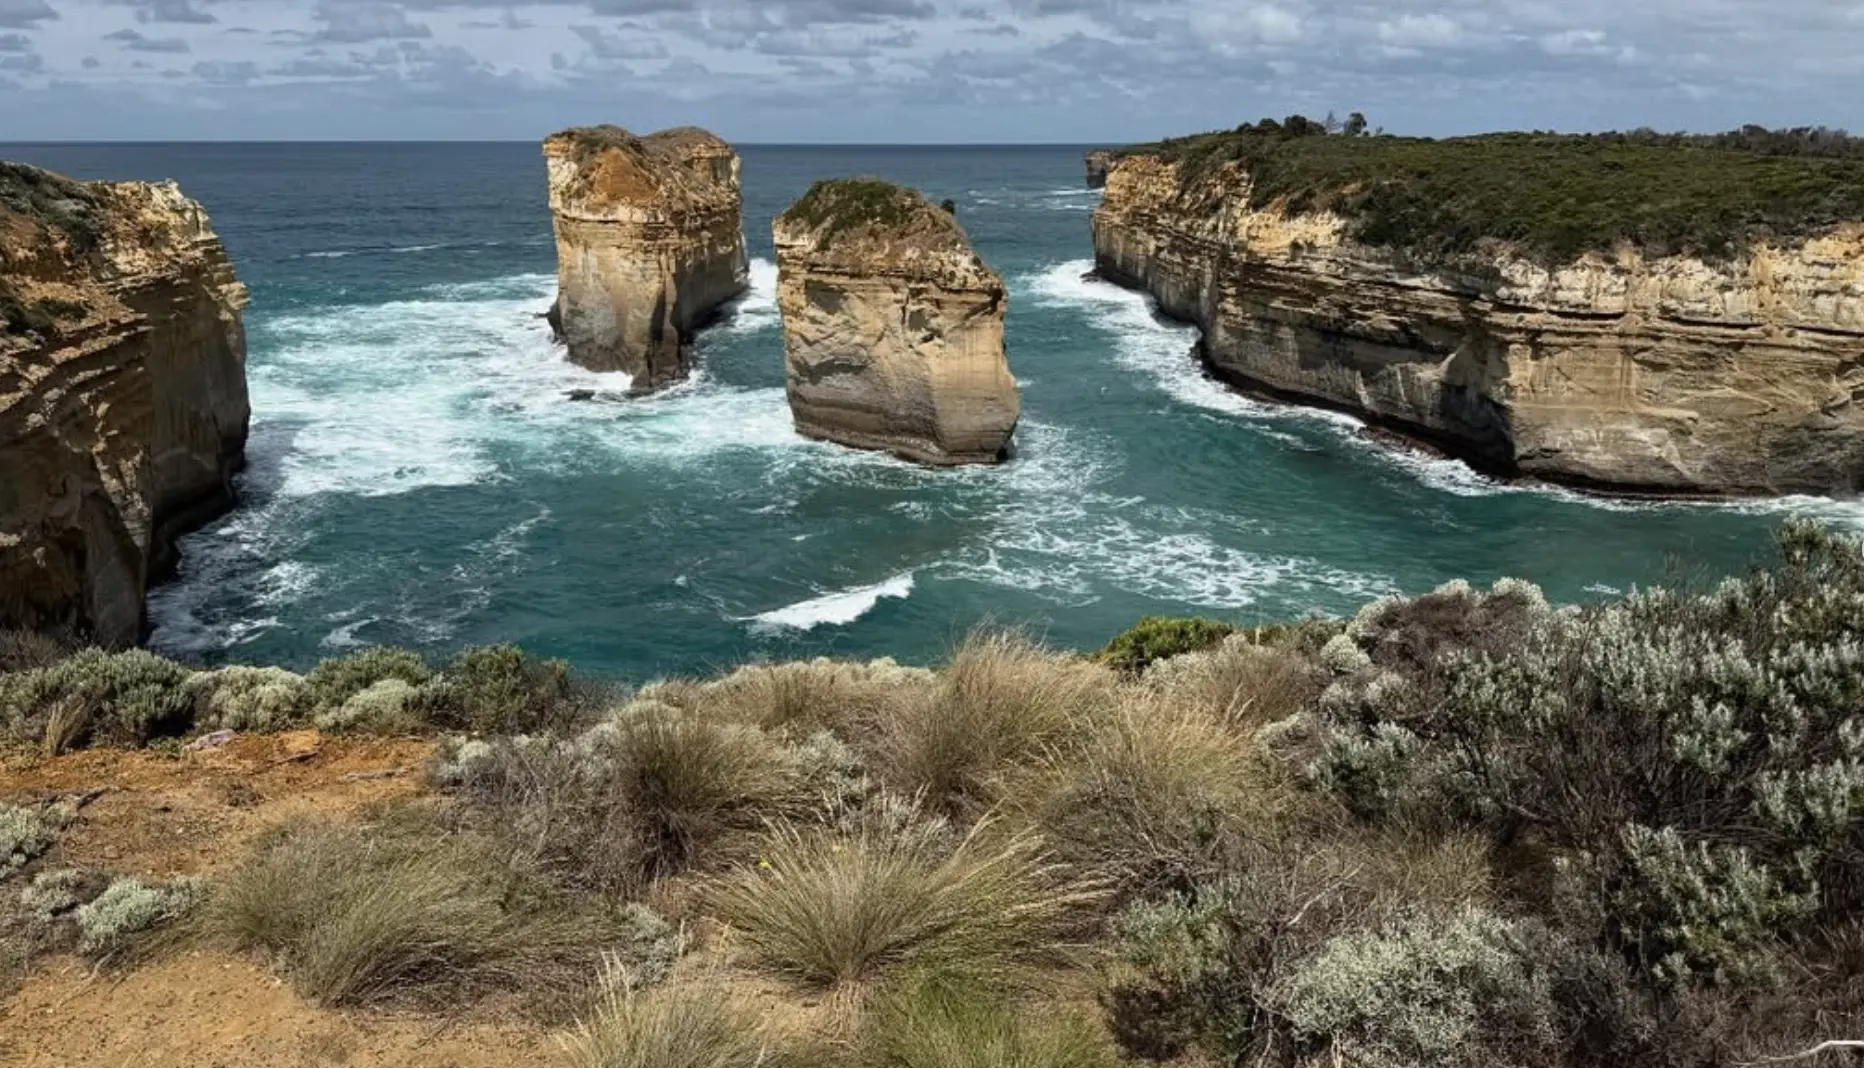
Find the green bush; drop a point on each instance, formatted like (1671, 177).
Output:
(249, 699)
(1157, 638)
(497, 689)
(121, 698)
(835, 206)
(129, 909)
(334, 681)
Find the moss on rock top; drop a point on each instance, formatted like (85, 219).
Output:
(1553, 196)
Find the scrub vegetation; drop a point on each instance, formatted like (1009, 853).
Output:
(1463, 828)
(1551, 196)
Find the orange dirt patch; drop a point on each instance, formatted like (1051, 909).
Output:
(160, 815)
(204, 1009)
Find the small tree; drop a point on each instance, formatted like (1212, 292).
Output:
(1355, 124)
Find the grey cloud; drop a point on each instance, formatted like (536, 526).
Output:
(605, 45)
(357, 23)
(15, 42)
(136, 42)
(181, 11)
(23, 14)
(1001, 29)
(26, 63)
(91, 63)
(508, 21)
(224, 72)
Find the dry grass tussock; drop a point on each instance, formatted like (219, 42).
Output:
(1238, 681)
(1000, 701)
(932, 1023)
(379, 913)
(685, 1027)
(846, 912)
(800, 697)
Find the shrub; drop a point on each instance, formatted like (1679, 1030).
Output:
(125, 698)
(54, 894)
(935, 1024)
(1145, 797)
(129, 909)
(997, 703)
(23, 650)
(497, 689)
(644, 794)
(1428, 992)
(248, 699)
(336, 680)
(830, 911)
(384, 707)
(1157, 638)
(25, 834)
(358, 915)
(696, 1028)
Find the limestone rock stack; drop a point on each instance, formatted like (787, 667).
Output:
(123, 408)
(1619, 371)
(1099, 162)
(892, 325)
(650, 244)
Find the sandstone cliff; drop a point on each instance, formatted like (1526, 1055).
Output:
(1615, 370)
(893, 326)
(650, 243)
(123, 407)
(1098, 164)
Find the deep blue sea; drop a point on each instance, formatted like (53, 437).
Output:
(418, 477)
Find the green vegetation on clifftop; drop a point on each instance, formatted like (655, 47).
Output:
(1553, 196)
(835, 206)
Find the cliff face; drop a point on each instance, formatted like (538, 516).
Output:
(123, 407)
(1099, 162)
(650, 242)
(1660, 374)
(893, 327)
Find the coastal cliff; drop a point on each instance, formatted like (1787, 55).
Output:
(1098, 164)
(1624, 366)
(123, 407)
(893, 326)
(650, 243)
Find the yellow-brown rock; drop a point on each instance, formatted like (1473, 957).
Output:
(1616, 371)
(123, 408)
(650, 245)
(893, 327)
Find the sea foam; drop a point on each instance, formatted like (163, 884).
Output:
(837, 608)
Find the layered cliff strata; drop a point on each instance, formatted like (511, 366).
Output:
(650, 245)
(1632, 367)
(893, 326)
(123, 408)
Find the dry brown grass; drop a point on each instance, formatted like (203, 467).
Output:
(998, 703)
(687, 1027)
(800, 697)
(1239, 681)
(378, 913)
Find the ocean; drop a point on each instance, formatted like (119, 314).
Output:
(417, 476)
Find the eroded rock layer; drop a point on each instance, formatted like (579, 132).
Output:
(893, 326)
(123, 408)
(1616, 371)
(650, 244)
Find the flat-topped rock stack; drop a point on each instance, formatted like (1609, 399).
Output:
(650, 245)
(123, 406)
(892, 326)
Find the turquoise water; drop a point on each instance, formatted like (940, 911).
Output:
(417, 476)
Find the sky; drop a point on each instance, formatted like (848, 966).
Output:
(913, 71)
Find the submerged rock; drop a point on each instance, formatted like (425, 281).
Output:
(123, 406)
(650, 244)
(892, 325)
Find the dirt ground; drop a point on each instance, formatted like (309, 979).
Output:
(149, 813)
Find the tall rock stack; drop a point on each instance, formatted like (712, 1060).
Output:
(893, 327)
(123, 408)
(650, 244)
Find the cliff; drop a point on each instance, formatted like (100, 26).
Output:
(123, 407)
(1098, 164)
(1715, 362)
(650, 243)
(893, 327)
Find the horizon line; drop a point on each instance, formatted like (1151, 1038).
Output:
(536, 141)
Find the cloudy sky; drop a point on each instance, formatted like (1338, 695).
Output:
(913, 70)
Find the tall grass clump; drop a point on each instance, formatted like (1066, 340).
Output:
(648, 792)
(934, 1023)
(662, 1028)
(356, 915)
(837, 912)
(800, 697)
(1239, 681)
(1000, 700)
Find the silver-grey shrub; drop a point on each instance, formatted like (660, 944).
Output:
(129, 907)
(122, 698)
